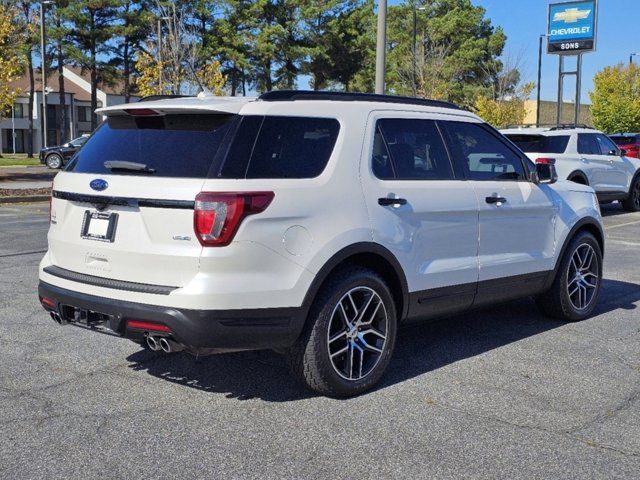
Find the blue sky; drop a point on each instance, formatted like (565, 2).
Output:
(524, 20)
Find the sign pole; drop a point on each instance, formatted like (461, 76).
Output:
(560, 89)
(576, 115)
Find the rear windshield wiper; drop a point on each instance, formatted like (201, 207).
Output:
(131, 166)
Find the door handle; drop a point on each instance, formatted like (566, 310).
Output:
(495, 199)
(386, 201)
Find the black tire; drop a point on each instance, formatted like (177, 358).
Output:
(632, 202)
(558, 302)
(54, 161)
(311, 359)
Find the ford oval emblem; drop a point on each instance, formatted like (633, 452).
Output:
(98, 184)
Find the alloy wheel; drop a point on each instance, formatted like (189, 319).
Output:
(357, 333)
(583, 277)
(54, 161)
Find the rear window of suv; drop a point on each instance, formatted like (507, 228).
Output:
(540, 143)
(169, 146)
(625, 139)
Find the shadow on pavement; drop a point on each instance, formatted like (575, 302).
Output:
(420, 348)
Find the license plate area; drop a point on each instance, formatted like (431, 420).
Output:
(99, 226)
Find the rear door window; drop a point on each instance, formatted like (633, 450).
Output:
(169, 145)
(280, 147)
(540, 143)
(415, 150)
(587, 144)
(481, 154)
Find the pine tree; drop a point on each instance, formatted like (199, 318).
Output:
(92, 26)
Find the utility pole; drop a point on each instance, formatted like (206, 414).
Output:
(539, 79)
(160, 54)
(44, 72)
(381, 46)
(415, 59)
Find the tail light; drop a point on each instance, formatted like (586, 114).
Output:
(148, 326)
(545, 161)
(142, 112)
(217, 216)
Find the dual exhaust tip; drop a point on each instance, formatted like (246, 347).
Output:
(57, 318)
(165, 344)
(155, 343)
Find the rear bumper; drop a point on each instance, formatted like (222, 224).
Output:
(199, 331)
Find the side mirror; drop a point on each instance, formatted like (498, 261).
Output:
(66, 145)
(615, 153)
(546, 170)
(623, 152)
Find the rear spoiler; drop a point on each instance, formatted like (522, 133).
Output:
(204, 104)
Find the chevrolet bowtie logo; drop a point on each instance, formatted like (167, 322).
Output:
(571, 15)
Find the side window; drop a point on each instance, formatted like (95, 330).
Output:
(481, 155)
(293, 147)
(605, 145)
(410, 149)
(587, 144)
(280, 147)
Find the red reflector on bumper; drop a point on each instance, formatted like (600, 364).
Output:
(46, 302)
(147, 326)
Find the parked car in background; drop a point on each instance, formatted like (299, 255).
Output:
(587, 156)
(311, 223)
(57, 157)
(630, 142)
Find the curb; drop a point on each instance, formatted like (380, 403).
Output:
(25, 199)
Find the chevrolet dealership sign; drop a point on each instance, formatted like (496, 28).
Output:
(572, 27)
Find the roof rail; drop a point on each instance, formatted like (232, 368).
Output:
(151, 98)
(568, 126)
(292, 95)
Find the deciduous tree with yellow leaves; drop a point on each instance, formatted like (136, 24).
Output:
(11, 60)
(615, 99)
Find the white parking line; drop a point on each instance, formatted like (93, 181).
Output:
(623, 242)
(622, 225)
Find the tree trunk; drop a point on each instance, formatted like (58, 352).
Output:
(62, 116)
(234, 79)
(94, 76)
(127, 70)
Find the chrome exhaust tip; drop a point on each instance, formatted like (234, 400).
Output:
(152, 343)
(57, 318)
(169, 346)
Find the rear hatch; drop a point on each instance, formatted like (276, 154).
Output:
(123, 207)
(537, 146)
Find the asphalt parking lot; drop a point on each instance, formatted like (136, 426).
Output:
(497, 393)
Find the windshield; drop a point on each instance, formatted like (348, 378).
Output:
(540, 143)
(168, 146)
(77, 142)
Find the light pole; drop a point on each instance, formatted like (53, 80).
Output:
(415, 58)
(539, 79)
(160, 82)
(44, 72)
(631, 57)
(381, 46)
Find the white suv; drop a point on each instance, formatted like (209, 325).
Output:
(311, 224)
(585, 156)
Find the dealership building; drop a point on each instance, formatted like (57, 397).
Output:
(14, 126)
